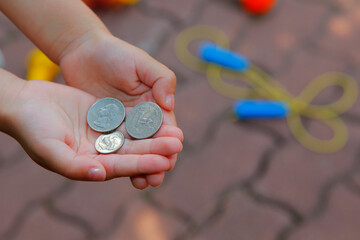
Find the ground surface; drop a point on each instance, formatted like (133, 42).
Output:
(248, 181)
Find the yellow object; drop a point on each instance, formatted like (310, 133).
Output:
(40, 67)
(264, 86)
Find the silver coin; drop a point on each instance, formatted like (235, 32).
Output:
(106, 115)
(109, 143)
(144, 120)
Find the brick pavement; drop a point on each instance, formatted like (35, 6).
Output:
(248, 180)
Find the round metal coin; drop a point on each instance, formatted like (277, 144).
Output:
(106, 115)
(109, 143)
(144, 120)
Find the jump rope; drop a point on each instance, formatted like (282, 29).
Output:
(265, 97)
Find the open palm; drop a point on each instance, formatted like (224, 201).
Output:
(50, 122)
(113, 68)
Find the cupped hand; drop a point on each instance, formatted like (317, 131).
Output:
(49, 120)
(109, 67)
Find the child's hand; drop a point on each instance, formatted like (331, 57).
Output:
(109, 67)
(92, 59)
(49, 120)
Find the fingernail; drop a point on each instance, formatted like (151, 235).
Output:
(96, 174)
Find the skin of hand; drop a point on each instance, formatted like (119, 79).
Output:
(49, 121)
(106, 66)
(93, 60)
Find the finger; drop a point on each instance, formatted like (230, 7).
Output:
(161, 79)
(155, 179)
(169, 118)
(170, 131)
(164, 91)
(165, 146)
(132, 165)
(60, 158)
(172, 160)
(142, 182)
(164, 131)
(139, 182)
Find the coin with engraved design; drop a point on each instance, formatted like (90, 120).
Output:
(144, 120)
(106, 115)
(109, 143)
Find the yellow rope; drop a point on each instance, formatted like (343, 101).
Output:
(264, 86)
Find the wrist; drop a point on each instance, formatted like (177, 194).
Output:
(93, 35)
(10, 88)
(54, 26)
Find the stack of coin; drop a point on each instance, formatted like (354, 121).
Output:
(107, 114)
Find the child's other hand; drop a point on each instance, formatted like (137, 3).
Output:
(109, 67)
(49, 120)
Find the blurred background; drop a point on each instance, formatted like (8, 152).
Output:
(246, 180)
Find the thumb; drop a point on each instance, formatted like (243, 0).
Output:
(60, 158)
(160, 78)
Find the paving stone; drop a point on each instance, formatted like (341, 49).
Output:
(97, 203)
(272, 38)
(306, 67)
(354, 72)
(42, 226)
(230, 156)
(355, 111)
(166, 55)
(337, 5)
(244, 219)
(232, 21)
(232, 18)
(196, 107)
(339, 221)
(340, 35)
(275, 127)
(195, 117)
(296, 175)
(136, 28)
(8, 30)
(180, 9)
(346, 5)
(15, 55)
(144, 222)
(6, 23)
(356, 178)
(10, 150)
(213, 161)
(22, 184)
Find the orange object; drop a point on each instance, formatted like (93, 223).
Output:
(258, 6)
